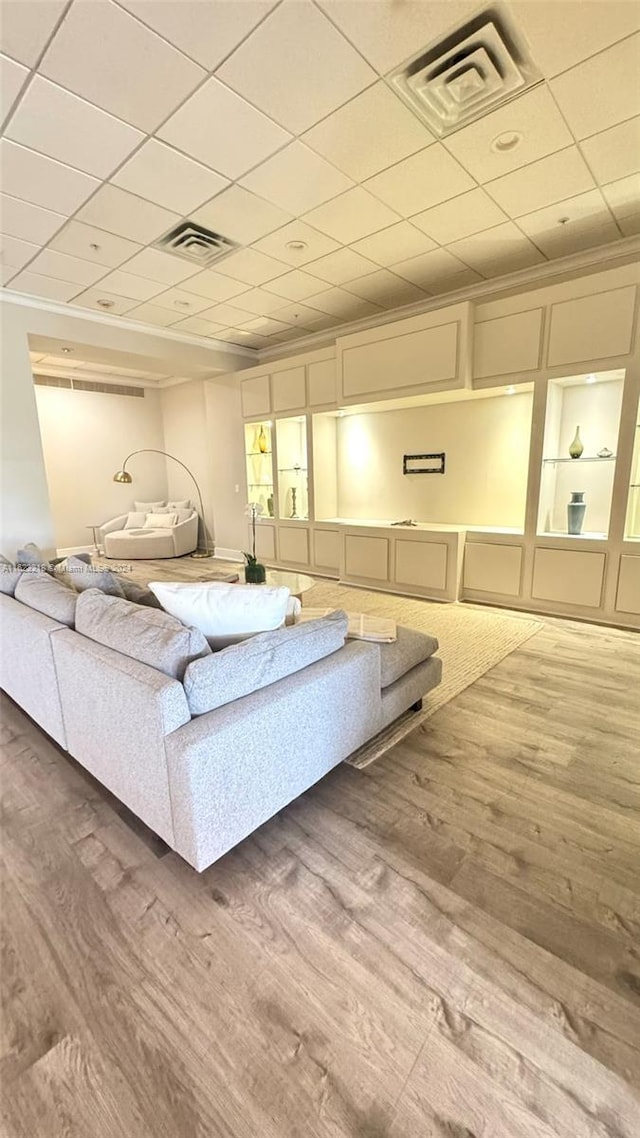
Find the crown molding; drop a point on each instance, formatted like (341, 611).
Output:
(576, 264)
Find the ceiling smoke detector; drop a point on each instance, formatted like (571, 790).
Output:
(194, 243)
(467, 74)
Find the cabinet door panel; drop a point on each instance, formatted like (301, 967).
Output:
(326, 549)
(367, 557)
(414, 359)
(508, 344)
(421, 563)
(265, 542)
(628, 598)
(492, 568)
(322, 383)
(293, 544)
(288, 389)
(573, 578)
(255, 396)
(592, 327)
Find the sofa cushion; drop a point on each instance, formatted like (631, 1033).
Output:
(135, 519)
(408, 649)
(144, 634)
(139, 594)
(147, 507)
(161, 521)
(244, 668)
(225, 614)
(9, 576)
(185, 504)
(79, 576)
(40, 591)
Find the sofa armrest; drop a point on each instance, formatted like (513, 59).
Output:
(114, 524)
(185, 535)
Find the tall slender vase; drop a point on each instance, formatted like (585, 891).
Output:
(576, 448)
(575, 512)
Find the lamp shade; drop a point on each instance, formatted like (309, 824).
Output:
(122, 476)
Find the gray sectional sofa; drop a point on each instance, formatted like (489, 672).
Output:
(204, 747)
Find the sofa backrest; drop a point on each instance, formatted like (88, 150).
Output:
(27, 670)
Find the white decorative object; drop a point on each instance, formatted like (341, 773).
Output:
(224, 613)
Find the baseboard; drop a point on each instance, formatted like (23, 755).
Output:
(73, 549)
(228, 554)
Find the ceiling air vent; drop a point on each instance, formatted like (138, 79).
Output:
(195, 243)
(466, 75)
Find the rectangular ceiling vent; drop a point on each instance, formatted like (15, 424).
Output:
(467, 74)
(89, 385)
(195, 243)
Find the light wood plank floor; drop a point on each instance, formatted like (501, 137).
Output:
(445, 945)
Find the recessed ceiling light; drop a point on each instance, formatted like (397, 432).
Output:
(511, 390)
(297, 246)
(105, 303)
(182, 303)
(592, 379)
(66, 351)
(506, 142)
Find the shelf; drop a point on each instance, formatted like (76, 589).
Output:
(596, 458)
(260, 485)
(574, 536)
(292, 470)
(258, 453)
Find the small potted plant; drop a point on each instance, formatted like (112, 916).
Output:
(254, 572)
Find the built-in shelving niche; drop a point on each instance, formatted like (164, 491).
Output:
(292, 468)
(258, 438)
(632, 524)
(590, 404)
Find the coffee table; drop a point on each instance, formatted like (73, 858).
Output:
(297, 583)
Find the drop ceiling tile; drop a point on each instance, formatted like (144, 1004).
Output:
(127, 216)
(421, 181)
(220, 129)
(533, 115)
(153, 314)
(182, 303)
(338, 302)
(296, 66)
(630, 225)
(429, 268)
(316, 244)
(25, 28)
(503, 249)
(259, 302)
(63, 126)
(558, 40)
(6, 273)
(27, 221)
(386, 289)
(300, 315)
(164, 176)
(295, 285)
(289, 335)
(353, 215)
(624, 195)
(265, 326)
(12, 76)
(551, 179)
(228, 314)
(35, 285)
(602, 91)
(589, 223)
(387, 32)
(459, 217)
(42, 181)
(103, 301)
(454, 283)
(579, 239)
(241, 339)
(15, 253)
(250, 267)
(204, 31)
(77, 240)
(109, 58)
(341, 266)
(373, 131)
(297, 179)
(614, 153)
(198, 326)
(214, 286)
(71, 269)
(397, 243)
(241, 215)
(120, 283)
(158, 266)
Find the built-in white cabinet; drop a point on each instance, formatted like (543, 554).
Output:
(289, 390)
(508, 344)
(293, 545)
(256, 396)
(366, 557)
(592, 327)
(628, 591)
(568, 577)
(322, 383)
(327, 550)
(265, 541)
(493, 568)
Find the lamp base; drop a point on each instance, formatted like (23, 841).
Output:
(203, 553)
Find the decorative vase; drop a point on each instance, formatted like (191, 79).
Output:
(576, 511)
(270, 505)
(576, 448)
(255, 573)
(294, 512)
(262, 440)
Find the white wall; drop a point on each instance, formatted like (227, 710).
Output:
(86, 436)
(486, 442)
(185, 434)
(26, 511)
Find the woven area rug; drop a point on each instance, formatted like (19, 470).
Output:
(472, 641)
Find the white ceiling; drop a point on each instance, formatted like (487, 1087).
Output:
(272, 122)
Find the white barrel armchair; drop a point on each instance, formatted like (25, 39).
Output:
(123, 541)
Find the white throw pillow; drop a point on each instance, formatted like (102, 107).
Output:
(225, 613)
(135, 519)
(160, 521)
(184, 505)
(147, 507)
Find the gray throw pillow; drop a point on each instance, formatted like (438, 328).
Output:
(9, 576)
(40, 591)
(79, 575)
(139, 594)
(143, 634)
(267, 657)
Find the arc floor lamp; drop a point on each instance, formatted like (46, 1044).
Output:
(124, 476)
